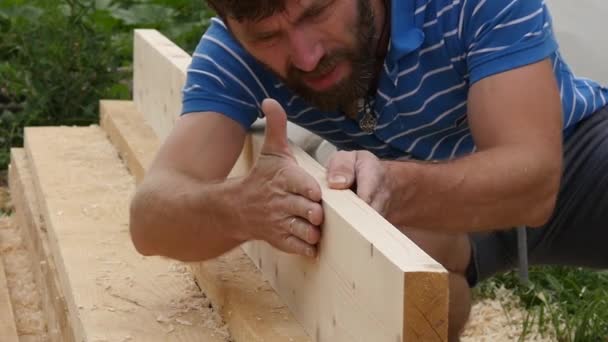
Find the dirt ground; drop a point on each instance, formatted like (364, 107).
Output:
(491, 320)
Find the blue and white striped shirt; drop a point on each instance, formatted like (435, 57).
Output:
(438, 49)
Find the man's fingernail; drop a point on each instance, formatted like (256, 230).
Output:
(338, 179)
(310, 252)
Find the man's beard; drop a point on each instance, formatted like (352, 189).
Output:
(362, 61)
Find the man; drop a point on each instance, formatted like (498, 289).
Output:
(450, 116)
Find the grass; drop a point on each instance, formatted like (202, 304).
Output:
(573, 302)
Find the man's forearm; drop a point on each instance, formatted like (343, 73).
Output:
(492, 189)
(183, 219)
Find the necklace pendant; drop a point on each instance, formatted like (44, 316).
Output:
(368, 123)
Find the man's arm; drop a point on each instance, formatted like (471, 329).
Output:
(183, 191)
(186, 209)
(512, 179)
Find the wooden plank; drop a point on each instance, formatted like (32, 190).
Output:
(364, 284)
(158, 94)
(8, 330)
(359, 247)
(112, 293)
(135, 141)
(250, 307)
(34, 236)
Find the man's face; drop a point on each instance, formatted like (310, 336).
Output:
(324, 50)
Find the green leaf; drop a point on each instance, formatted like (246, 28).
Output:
(145, 14)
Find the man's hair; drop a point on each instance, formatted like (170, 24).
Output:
(246, 10)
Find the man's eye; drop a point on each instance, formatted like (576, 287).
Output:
(318, 11)
(265, 38)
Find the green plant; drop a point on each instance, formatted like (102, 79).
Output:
(571, 301)
(58, 58)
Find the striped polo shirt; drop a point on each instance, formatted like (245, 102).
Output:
(437, 50)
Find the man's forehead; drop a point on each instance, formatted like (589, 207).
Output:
(291, 11)
(304, 3)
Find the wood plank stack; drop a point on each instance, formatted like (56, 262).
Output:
(71, 188)
(96, 287)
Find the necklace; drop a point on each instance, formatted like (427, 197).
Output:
(369, 120)
(365, 105)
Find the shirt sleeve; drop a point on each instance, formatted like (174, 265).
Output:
(222, 79)
(501, 35)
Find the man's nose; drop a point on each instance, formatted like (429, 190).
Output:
(306, 49)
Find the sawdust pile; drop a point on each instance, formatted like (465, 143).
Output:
(25, 298)
(193, 300)
(500, 319)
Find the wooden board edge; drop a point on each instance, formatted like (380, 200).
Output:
(248, 304)
(8, 328)
(229, 281)
(426, 296)
(29, 219)
(64, 283)
(120, 119)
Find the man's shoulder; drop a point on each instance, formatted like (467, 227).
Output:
(218, 39)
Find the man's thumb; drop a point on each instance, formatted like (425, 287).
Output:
(276, 129)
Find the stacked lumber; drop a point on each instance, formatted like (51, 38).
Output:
(72, 186)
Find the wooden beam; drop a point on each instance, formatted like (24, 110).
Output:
(365, 284)
(8, 330)
(248, 304)
(160, 105)
(112, 293)
(159, 74)
(35, 238)
(135, 140)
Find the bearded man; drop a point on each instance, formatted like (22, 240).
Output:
(456, 117)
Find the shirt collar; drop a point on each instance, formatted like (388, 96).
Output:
(406, 36)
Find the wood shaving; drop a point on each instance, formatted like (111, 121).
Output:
(500, 319)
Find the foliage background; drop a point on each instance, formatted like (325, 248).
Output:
(58, 58)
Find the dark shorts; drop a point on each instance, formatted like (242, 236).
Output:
(577, 233)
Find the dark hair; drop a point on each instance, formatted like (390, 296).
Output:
(247, 9)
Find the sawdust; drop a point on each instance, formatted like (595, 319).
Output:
(194, 300)
(500, 319)
(25, 298)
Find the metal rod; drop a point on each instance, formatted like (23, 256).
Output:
(522, 253)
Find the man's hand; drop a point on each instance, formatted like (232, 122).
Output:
(364, 171)
(279, 202)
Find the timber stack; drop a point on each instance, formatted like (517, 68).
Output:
(71, 188)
